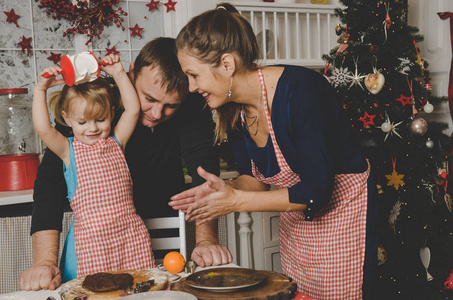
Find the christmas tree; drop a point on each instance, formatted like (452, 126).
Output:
(385, 89)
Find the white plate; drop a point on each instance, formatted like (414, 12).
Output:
(163, 295)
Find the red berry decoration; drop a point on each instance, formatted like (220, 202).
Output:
(85, 17)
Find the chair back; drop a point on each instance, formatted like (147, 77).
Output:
(164, 244)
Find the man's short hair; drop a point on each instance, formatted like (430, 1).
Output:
(161, 53)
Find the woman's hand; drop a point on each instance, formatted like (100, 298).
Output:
(206, 202)
(47, 82)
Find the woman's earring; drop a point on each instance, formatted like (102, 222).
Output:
(229, 93)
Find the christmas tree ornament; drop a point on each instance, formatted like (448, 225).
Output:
(428, 86)
(25, 44)
(428, 108)
(448, 202)
(449, 282)
(404, 100)
(418, 127)
(11, 17)
(153, 5)
(381, 255)
(419, 61)
(356, 78)
(170, 5)
(326, 69)
(136, 30)
(367, 119)
(414, 109)
(344, 43)
(340, 77)
(395, 179)
(425, 256)
(404, 66)
(55, 57)
(429, 143)
(394, 213)
(338, 29)
(374, 82)
(389, 128)
(387, 22)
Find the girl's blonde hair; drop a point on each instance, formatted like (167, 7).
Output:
(213, 33)
(99, 96)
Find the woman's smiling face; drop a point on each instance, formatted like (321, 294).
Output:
(211, 83)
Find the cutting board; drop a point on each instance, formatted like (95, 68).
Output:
(74, 288)
(274, 286)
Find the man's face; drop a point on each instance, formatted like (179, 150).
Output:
(156, 104)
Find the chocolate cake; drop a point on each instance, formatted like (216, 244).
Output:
(106, 282)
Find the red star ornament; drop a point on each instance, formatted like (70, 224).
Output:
(367, 119)
(170, 5)
(25, 44)
(12, 17)
(404, 100)
(111, 50)
(55, 57)
(153, 5)
(136, 30)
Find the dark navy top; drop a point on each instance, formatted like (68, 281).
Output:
(312, 133)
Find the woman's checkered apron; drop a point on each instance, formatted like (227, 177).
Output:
(109, 235)
(324, 257)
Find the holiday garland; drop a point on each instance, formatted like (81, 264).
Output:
(87, 18)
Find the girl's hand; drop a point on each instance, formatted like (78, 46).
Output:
(46, 83)
(114, 66)
(206, 202)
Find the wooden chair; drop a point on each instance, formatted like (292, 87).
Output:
(169, 243)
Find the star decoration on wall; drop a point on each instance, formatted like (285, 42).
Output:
(111, 50)
(404, 100)
(136, 30)
(12, 17)
(367, 119)
(153, 5)
(395, 179)
(55, 57)
(25, 44)
(170, 5)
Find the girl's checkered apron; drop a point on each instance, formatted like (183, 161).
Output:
(324, 257)
(109, 235)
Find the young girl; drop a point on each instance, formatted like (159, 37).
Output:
(109, 235)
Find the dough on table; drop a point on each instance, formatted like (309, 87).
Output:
(74, 288)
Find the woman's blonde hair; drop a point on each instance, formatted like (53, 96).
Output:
(213, 33)
(99, 97)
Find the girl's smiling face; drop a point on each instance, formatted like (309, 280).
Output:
(87, 130)
(211, 83)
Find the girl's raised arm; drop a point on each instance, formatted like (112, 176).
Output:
(126, 124)
(56, 142)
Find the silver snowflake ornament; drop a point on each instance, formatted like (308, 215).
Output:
(340, 77)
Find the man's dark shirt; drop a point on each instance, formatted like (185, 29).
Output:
(155, 159)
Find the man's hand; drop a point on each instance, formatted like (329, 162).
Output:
(206, 255)
(44, 276)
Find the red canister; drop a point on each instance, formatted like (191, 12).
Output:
(18, 171)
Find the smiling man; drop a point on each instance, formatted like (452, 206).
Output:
(174, 126)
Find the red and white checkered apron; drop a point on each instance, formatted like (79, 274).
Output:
(324, 257)
(109, 235)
